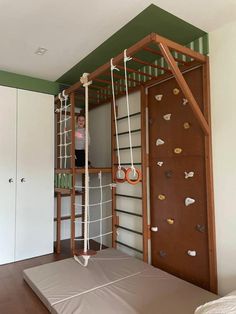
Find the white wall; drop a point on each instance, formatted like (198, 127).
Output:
(100, 135)
(223, 93)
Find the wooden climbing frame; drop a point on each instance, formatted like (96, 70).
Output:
(178, 59)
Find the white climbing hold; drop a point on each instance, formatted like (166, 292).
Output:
(192, 253)
(154, 229)
(160, 163)
(188, 174)
(185, 101)
(167, 116)
(159, 142)
(188, 201)
(159, 97)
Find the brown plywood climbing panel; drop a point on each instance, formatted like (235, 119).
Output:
(177, 172)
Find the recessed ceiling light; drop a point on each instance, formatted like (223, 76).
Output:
(41, 51)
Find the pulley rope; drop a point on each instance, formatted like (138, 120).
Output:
(113, 67)
(126, 59)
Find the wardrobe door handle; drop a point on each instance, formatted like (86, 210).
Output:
(10, 180)
(22, 180)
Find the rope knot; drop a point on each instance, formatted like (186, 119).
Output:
(126, 58)
(113, 67)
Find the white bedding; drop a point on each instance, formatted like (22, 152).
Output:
(225, 305)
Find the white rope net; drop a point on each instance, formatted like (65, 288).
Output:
(64, 122)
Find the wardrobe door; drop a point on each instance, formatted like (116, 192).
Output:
(35, 167)
(7, 173)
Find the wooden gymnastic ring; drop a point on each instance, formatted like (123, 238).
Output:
(130, 180)
(121, 180)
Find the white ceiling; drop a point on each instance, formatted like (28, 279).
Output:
(70, 30)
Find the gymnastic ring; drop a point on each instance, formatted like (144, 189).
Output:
(130, 181)
(121, 180)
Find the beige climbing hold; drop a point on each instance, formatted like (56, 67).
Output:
(178, 150)
(160, 163)
(175, 91)
(159, 141)
(170, 221)
(185, 101)
(186, 125)
(161, 197)
(167, 116)
(159, 97)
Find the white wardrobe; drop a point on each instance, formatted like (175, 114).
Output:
(26, 174)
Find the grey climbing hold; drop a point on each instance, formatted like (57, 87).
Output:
(168, 174)
(200, 228)
(162, 253)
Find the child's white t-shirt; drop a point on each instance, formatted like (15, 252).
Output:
(80, 138)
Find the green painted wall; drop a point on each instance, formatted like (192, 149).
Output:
(152, 19)
(28, 83)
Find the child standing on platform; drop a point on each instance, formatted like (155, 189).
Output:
(80, 141)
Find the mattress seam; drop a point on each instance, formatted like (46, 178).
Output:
(95, 288)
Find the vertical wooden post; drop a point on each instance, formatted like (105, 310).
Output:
(209, 181)
(58, 247)
(57, 162)
(83, 202)
(113, 160)
(73, 170)
(144, 172)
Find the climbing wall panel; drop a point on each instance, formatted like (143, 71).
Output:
(178, 197)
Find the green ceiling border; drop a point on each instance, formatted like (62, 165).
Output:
(28, 83)
(152, 19)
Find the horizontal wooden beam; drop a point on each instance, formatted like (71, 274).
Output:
(136, 71)
(122, 77)
(158, 53)
(179, 48)
(185, 88)
(150, 64)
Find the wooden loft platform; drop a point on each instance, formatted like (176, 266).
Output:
(94, 170)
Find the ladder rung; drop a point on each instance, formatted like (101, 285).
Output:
(128, 213)
(123, 148)
(127, 132)
(130, 247)
(68, 217)
(66, 192)
(129, 196)
(128, 229)
(131, 115)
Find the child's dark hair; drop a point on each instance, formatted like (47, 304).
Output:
(81, 114)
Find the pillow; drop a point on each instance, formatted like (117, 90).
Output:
(225, 305)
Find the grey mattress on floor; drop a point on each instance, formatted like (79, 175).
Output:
(113, 282)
